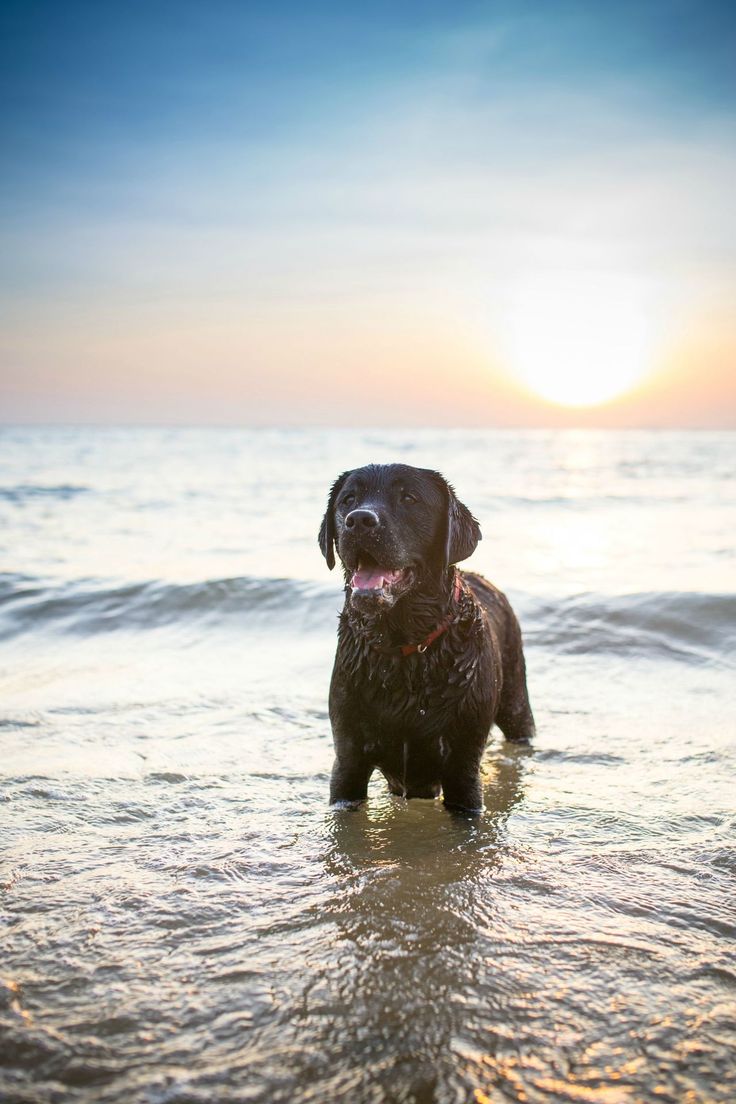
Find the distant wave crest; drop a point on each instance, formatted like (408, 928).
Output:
(22, 492)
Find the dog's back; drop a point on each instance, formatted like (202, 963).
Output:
(513, 715)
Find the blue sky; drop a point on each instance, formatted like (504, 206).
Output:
(233, 172)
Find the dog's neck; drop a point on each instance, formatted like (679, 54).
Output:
(414, 616)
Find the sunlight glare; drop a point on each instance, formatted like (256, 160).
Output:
(578, 339)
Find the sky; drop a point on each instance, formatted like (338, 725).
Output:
(390, 214)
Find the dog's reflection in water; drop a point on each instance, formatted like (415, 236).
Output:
(418, 839)
(413, 909)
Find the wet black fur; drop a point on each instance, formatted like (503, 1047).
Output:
(423, 720)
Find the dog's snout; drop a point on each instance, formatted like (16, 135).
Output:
(362, 519)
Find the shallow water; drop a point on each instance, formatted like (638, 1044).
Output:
(186, 920)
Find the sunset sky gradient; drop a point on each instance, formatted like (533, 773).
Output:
(285, 214)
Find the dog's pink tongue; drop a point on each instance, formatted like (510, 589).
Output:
(367, 578)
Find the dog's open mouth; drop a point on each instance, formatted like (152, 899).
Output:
(371, 579)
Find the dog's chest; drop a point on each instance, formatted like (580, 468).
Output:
(422, 694)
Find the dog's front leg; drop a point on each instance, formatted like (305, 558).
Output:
(461, 785)
(351, 773)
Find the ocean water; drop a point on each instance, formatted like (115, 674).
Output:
(185, 919)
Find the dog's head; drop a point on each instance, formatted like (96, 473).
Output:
(394, 527)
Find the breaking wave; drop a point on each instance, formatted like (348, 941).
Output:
(686, 625)
(85, 608)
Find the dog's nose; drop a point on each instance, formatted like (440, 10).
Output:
(362, 519)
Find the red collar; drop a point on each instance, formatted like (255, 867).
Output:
(410, 649)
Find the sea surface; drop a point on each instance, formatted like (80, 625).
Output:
(183, 917)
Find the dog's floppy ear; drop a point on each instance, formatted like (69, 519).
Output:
(463, 531)
(327, 528)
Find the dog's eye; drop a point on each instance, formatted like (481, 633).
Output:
(348, 500)
(406, 497)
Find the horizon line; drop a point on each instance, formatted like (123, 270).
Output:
(369, 427)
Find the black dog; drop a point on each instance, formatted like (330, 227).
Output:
(428, 657)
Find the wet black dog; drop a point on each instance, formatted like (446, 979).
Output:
(428, 657)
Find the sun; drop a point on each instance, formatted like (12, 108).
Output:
(578, 339)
